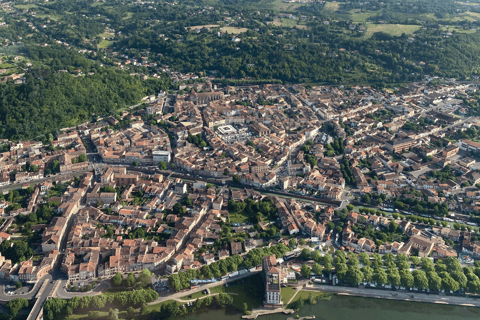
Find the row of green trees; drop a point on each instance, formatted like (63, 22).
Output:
(57, 308)
(445, 275)
(181, 280)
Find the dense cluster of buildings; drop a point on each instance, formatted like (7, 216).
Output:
(334, 143)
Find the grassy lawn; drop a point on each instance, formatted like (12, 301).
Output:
(237, 218)
(278, 5)
(104, 44)
(356, 15)
(287, 294)
(391, 29)
(25, 6)
(305, 294)
(203, 26)
(102, 314)
(250, 292)
(289, 23)
(112, 291)
(157, 306)
(331, 6)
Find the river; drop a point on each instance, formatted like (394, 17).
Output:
(345, 308)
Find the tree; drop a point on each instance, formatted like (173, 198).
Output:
(18, 284)
(350, 207)
(415, 260)
(316, 256)
(453, 264)
(162, 165)
(420, 279)
(341, 269)
(305, 271)
(394, 277)
(116, 280)
(179, 210)
(427, 265)
(302, 242)
(144, 277)
(380, 276)
(245, 307)
(474, 285)
(130, 281)
(367, 273)
(113, 314)
(365, 259)
(354, 275)
(144, 310)
(434, 281)
(15, 305)
(292, 243)
(305, 255)
(187, 202)
(236, 178)
(82, 158)
(131, 312)
(317, 268)
(460, 277)
(135, 163)
(406, 278)
(448, 283)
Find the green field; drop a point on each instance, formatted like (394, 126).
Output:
(288, 23)
(287, 294)
(331, 6)
(305, 294)
(157, 306)
(391, 29)
(25, 6)
(277, 5)
(237, 218)
(233, 30)
(102, 314)
(356, 15)
(105, 44)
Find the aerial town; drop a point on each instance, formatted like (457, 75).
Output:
(184, 181)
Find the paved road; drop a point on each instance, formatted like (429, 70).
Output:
(29, 295)
(183, 293)
(15, 186)
(397, 295)
(62, 293)
(41, 300)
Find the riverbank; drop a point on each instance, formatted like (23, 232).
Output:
(396, 295)
(358, 308)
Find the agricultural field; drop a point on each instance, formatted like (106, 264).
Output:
(331, 6)
(301, 26)
(105, 44)
(202, 26)
(391, 29)
(25, 6)
(356, 15)
(286, 23)
(280, 6)
(233, 30)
